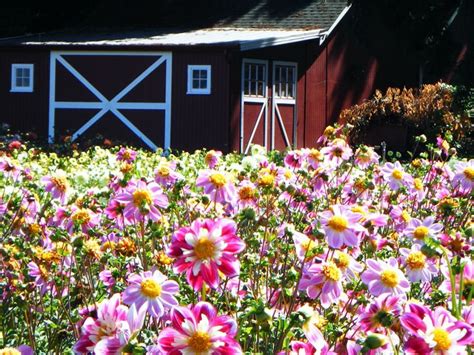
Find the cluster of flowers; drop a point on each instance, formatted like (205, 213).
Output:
(311, 251)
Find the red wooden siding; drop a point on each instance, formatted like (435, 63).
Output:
(200, 121)
(25, 111)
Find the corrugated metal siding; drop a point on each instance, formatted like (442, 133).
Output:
(25, 111)
(200, 121)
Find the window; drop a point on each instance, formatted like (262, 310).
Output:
(255, 79)
(22, 78)
(285, 81)
(199, 79)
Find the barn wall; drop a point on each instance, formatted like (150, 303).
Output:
(200, 121)
(25, 111)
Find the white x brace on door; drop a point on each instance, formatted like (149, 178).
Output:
(115, 104)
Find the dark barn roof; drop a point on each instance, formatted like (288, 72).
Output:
(210, 15)
(288, 15)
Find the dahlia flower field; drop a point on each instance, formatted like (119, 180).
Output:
(334, 250)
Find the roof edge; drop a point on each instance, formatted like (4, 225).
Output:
(270, 42)
(334, 25)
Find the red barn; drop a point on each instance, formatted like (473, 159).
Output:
(274, 81)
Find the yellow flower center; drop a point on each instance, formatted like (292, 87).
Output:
(126, 155)
(389, 278)
(150, 288)
(441, 337)
(9, 351)
(421, 232)
(343, 260)
(204, 248)
(81, 216)
(469, 173)
(34, 228)
(164, 170)
(338, 223)
(416, 260)
(328, 130)
(142, 197)
(406, 216)
(246, 193)
(60, 182)
(418, 184)
(288, 174)
(217, 179)
(200, 342)
(331, 272)
(315, 154)
(397, 174)
(266, 180)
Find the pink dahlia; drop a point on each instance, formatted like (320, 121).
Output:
(165, 173)
(323, 280)
(83, 219)
(127, 155)
(337, 151)
(57, 185)
(418, 266)
(464, 175)
(419, 230)
(199, 330)
(111, 330)
(438, 331)
(142, 201)
(218, 185)
(341, 226)
(381, 313)
(382, 277)
(206, 248)
(212, 158)
(394, 175)
(153, 291)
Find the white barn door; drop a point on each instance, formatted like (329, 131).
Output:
(77, 72)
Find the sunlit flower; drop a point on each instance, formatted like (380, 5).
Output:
(385, 277)
(127, 155)
(438, 330)
(323, 281)
(111, 330)
(218, 185)
(381, 313)
(394, 175)
(199, 330)
(341, 226)
(418, 266)
(142, 201)
(57, 185)
(419, 230)
(212, 158)
(165, 173)
(152, 290)
(337, 151)
(464, 175)
(365, 156)
(206, 248)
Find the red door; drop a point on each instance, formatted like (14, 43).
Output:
(268, 107)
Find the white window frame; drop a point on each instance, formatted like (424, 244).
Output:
(203, 91)
(14, 87)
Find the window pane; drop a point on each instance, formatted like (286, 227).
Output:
(253, 88)
(246, 72)
(25, 82)
(18, 82)
(195, 83)
(195, 74)
(203, 83)
(261, 72)
(260, 88)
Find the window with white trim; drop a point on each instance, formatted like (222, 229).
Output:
(199, 79)
(22, 78)
(285, 81)
(255, 79)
